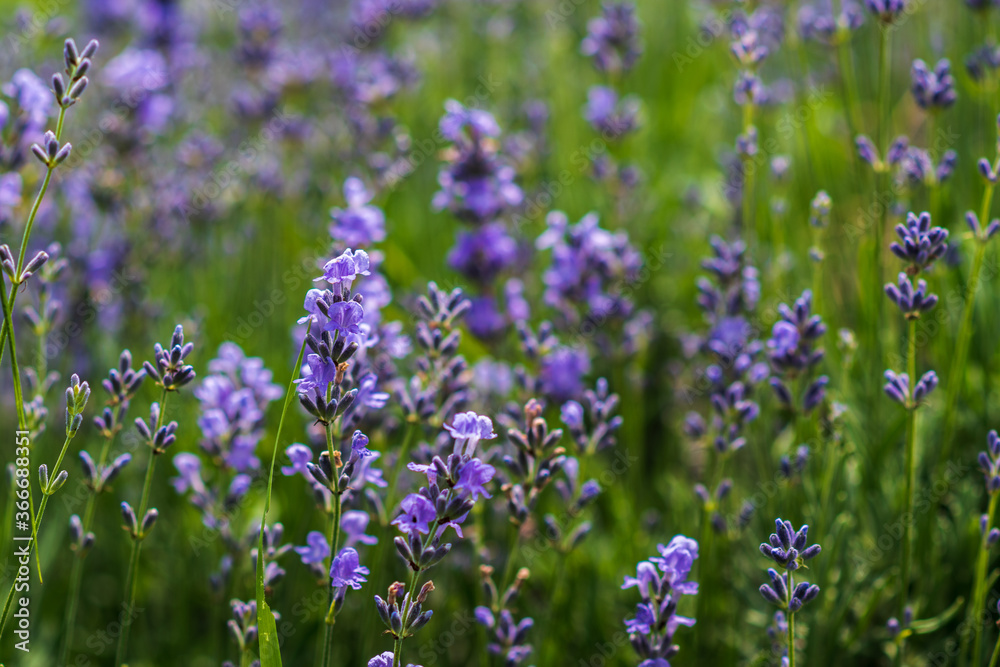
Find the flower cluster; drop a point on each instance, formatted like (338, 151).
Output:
(477, 186)
(453, 485)
(168, 369)
(886, 11)
(897, 387)
(793, 356)
(234, 399)
(536, 461)
(919, 244)
(989, 462)
(590, 266)
(933, 90)
(662, 581)
(910, 300)
(440, 386)
(613, 38)
(593, 427)
(817, 21)
(507, 636)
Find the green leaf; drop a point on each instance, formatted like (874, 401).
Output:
(267, 630)
(270, 652)
(926, 625)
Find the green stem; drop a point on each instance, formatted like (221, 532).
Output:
(749, 223)
(964, 331)
(848, 85)
(882, 193)
(8, 328)
(508, 573)
(35, 524)
(791, 637)
(979, 589)
(333, 539)
(132, 578)
(397, 648)
(996, 654)
(76, 576)
(910, 465)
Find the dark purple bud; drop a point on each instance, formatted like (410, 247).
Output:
(770, 595)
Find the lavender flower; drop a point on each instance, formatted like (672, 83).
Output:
(562, 372)
(982, 234)
(921, 244)
(169, 370)
(911, 301)
(792, 352)
(467, 429)
(662, 581)
(933, 90)
(897, 387)
(477, 186)
(233, 402)
(612, 117)
(989, 462)
(886, 11)
(347, 571)
(817, 22)
(424, 516)
(613, 38)
(983, 62)
(508, 637)
(316, 550)
(594, 428)
(441, 385)
(590, 265)
(484, 253)
(300, 456)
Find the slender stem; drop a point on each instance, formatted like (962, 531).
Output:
(35, 524)
(333, 538)
(791, 640)
(132, 578)
(397, 649)
(910, 464)
(882, 194)
(791, 621)
(979, 588)
(515, 545)
(848, 83)
(22, 419)
(996, 654)
(12, 344)
(964, 331)
(748, 218)
(76, 576)
(8, 328)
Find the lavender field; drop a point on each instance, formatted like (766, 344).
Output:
(564, 333)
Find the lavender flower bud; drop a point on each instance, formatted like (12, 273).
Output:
(78, 88)
(90, 49)
(149, 520)
(59, 481)
(129, 519)
(70, 54)
(867, 151)
(63, 153)
(58, 87)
